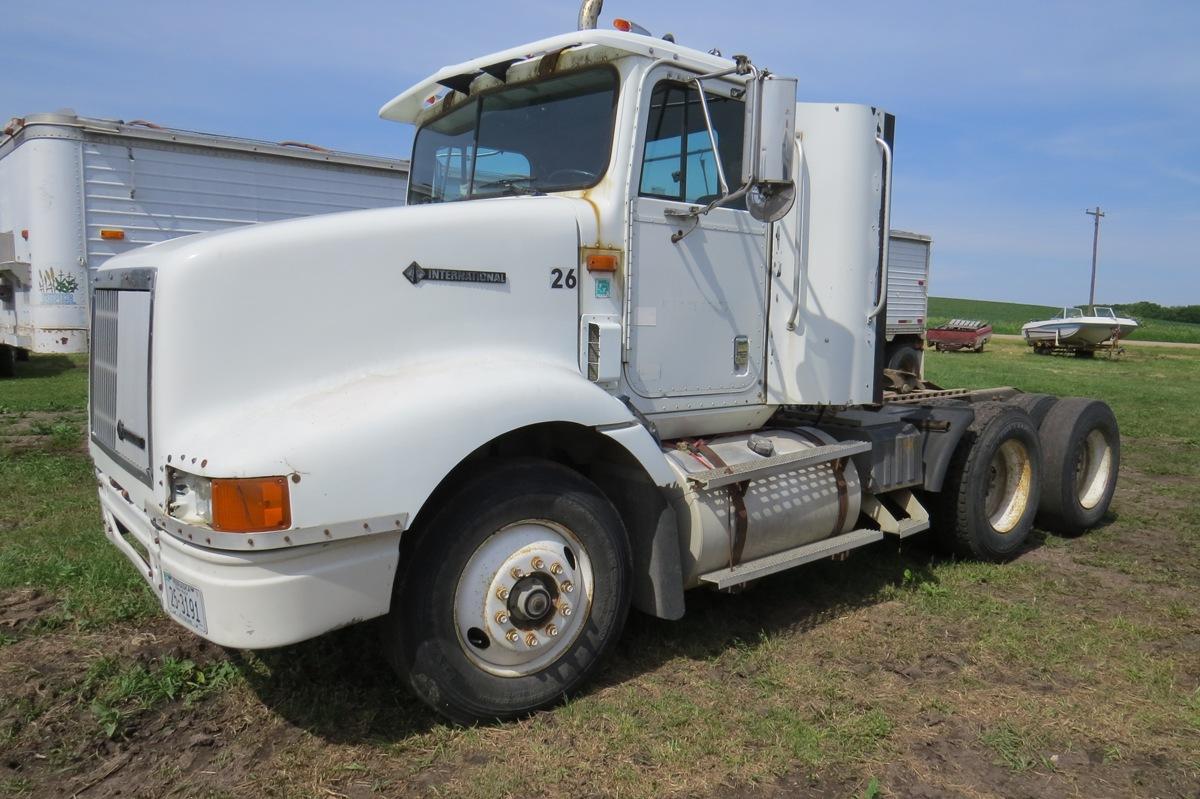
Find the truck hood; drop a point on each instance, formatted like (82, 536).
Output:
(257, 315)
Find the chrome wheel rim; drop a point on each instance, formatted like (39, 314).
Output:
(523, 598)
(1009, 484)
(1093, 470)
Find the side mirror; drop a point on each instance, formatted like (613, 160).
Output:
(769, 147)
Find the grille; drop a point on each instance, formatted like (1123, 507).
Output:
(104, 368)
(122, 303)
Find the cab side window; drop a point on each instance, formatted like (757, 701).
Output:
(678, 162)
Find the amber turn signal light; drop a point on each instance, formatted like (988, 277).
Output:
(250, 505)
(601, 262)
(108, 234)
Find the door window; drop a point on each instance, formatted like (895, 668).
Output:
(678, 162)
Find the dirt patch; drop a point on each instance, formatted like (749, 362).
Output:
(24, 607)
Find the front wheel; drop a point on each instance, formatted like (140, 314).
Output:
(512, 595)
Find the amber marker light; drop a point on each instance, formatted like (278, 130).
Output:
(108, 234)
(622, 25)
(601, 262)
(250, 505)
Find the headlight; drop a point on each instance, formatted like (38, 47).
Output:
(191, 498)
(231, 505)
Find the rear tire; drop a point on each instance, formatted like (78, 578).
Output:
(906, 359)
(1082, 451)
(477, 642)
(8, 358)
(22, 354)
(989, 498)
(1037, 406)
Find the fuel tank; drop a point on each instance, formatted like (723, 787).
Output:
(742, 522)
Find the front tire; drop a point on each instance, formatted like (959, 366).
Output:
(512, 595)
(990, 494)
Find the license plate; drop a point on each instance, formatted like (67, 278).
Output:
(185, 603)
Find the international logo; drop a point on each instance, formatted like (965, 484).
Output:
(417, 273)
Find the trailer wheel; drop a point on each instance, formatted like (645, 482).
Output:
(1082, 446)
(512, 594)
(1037, 406)
(8, 357)
(906, 359)
(990, 494)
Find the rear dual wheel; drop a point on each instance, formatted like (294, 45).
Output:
(990, 494)
(1082, 445)
(512, 595)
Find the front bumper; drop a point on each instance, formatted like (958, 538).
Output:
(258, 600)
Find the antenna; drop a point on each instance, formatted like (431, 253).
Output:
(1097, 213)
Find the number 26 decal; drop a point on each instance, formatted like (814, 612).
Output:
(560, 281)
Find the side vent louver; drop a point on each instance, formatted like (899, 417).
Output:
(593, 352)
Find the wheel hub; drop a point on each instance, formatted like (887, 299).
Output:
(532, 600)
(1093, 469)
(1009, 486)
(523, 598)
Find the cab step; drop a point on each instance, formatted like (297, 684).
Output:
(754, 569)
(777, 464)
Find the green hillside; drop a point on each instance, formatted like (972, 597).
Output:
(1007, 317)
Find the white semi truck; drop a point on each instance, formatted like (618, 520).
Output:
(622, 342)
(75, 191)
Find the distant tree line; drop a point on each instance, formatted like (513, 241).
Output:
(1169, 313)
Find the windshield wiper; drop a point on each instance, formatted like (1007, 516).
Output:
(512, 187)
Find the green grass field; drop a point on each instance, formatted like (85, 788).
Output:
(1007, 317)
(1072, 671)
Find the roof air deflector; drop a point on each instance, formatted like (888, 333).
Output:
(499, 70)
(461, 82)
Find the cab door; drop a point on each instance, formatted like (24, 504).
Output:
(698, 306)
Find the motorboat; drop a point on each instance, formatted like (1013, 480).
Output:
(1071, 327)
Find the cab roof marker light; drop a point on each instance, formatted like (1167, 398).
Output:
(629, 26)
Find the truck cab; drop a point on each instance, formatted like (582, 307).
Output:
(622, 342)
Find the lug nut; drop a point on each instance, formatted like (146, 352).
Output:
(512, 636)
(538, 563)
(502, 593)
(531, 640)
(501, 617)
(517, 574)
(566, 586)
(565, 609)
(556, 568)
(551, 630)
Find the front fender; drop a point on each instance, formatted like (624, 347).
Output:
(379, 444)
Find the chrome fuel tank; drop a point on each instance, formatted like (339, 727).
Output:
(744, 521)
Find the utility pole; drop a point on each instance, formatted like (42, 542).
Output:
(1095, 248)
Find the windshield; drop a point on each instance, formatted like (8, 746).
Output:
(549, 135)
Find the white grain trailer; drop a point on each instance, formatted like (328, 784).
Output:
(74, 191)
(908, 299)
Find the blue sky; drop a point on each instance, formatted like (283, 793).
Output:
(1012, 117)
